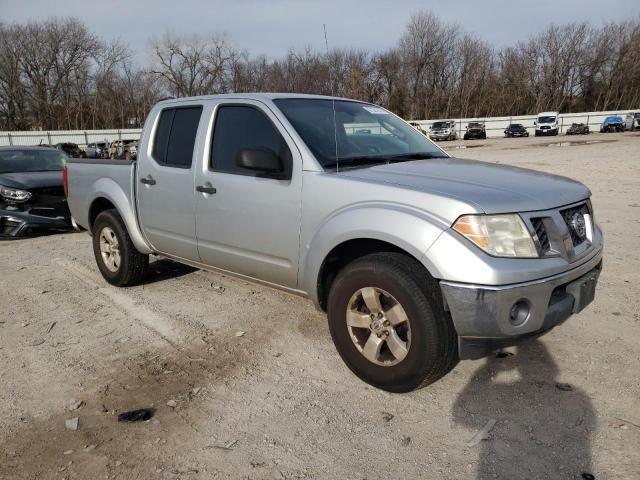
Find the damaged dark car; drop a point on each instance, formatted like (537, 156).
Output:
(578, 129)
(32, 197)
(516, 130)
(475, 130)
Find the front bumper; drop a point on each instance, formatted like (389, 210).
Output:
(475, 134)
(547, 131)
(17, 223)
(482, 314)
(440, 136)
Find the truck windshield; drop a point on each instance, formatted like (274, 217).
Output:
(546, 119)
(363, 134)
(440, 125)
(26, 160)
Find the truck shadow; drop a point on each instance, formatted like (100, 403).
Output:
(542, 431)
(165, 269)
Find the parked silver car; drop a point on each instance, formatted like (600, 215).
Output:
(443, 130)
(97, 150)
(419, 259)
(632, 121)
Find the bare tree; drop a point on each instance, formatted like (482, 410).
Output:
(57, 74)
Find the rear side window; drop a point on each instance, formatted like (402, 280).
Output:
(176, 136)
(239, 127)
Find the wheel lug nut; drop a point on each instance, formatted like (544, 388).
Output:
(380, 315)
(387, 323)
(386, 333)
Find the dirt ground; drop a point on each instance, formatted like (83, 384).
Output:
(246, 382)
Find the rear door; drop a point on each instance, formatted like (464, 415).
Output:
(248, 223)
(165, 189)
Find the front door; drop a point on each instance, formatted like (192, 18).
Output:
(165, 189)
(247, 222)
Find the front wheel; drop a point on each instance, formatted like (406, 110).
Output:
(118, 260)
(388, 323)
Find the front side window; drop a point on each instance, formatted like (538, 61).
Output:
(355, 133)
(241, 127)
(175, 136)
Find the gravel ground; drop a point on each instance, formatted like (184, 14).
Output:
(245, 381)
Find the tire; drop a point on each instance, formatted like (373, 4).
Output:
(131, 266)
(466, 137)
(396, 278)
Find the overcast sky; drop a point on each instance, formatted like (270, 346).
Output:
(273, 26)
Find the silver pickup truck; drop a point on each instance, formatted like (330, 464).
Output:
(418, 258)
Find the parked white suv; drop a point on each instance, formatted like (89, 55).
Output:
(547, 123)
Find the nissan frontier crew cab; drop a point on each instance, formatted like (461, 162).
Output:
(419, 259)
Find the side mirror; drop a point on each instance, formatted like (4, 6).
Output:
(534, 123)
(262, 161)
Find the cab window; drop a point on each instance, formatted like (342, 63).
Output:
(243, 127)
(176, 136)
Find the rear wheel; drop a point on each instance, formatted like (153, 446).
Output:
(388, 323)
(118, 260)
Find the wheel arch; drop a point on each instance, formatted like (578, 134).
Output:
(350, 235)
(108, 195)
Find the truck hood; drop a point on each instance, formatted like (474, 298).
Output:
(28, 180)
(489, 187)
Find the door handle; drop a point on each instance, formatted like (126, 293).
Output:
(148, 180)
(206, 188)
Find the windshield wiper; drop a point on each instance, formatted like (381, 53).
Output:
(357, 161)
(368, 160)
(415, 156)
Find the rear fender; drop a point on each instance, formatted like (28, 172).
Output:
(110, 190)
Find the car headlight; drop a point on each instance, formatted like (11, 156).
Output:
(14, 194)
(498, 235)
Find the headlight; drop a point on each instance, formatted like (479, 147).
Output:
(498, 235)
(14, 194)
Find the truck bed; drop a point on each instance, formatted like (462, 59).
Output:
(89, 179)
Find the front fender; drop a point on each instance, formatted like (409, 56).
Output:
(109, 189)
(407, 228)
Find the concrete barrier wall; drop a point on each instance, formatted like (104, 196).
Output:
(494, 126)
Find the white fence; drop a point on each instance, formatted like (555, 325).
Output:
(494, 126)
(81, 137)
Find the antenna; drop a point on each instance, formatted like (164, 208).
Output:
(333, 100)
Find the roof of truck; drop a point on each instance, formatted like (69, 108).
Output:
(260, 96)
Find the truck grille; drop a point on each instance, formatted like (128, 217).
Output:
(541, 233)
(567, 214)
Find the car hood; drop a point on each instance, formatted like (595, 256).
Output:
(489, 187)
(29, 180)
